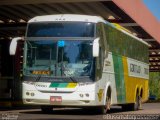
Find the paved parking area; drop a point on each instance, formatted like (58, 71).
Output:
(149, 111)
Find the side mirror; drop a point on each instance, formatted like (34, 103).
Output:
(13, 45)
(96, 47)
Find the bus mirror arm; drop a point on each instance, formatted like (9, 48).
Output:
(13, 45)
(96, 47)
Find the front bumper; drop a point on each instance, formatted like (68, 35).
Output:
(79, 97)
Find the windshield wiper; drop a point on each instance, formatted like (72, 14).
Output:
(73, 79)
(38, 78)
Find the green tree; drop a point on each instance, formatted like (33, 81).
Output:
(154, 84)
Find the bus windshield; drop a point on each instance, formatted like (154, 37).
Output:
(59, 58)
(61, 29)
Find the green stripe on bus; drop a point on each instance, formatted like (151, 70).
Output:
(58, 85)
(54, 85)
(63, 85)
(123, 90)
(119, 79)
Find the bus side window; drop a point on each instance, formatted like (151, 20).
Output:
(100, 32)
(100, 63)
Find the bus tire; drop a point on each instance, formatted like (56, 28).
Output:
(47, 109)
(136, 105)
(133, 106)
(106, 108)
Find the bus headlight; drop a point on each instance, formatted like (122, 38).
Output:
(87, 95)
(32, 94)
(81, 95)
(27, 93)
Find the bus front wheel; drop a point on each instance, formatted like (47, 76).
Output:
(106, 108)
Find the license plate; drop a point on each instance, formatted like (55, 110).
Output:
(55, 99)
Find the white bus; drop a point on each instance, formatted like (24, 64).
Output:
(82, 61)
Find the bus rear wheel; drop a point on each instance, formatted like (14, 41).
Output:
(47, 109)
(137, 104)
(134, 106)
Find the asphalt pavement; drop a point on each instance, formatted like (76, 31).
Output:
(149, 111)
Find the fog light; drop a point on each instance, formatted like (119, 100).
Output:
(28, 100)
(86, 101)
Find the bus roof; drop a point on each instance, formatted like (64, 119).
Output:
(129, 33)
(81, 18)
(67, 17)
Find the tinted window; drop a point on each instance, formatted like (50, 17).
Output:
(67, 29)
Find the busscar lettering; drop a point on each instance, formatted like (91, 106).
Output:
(135, 68)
